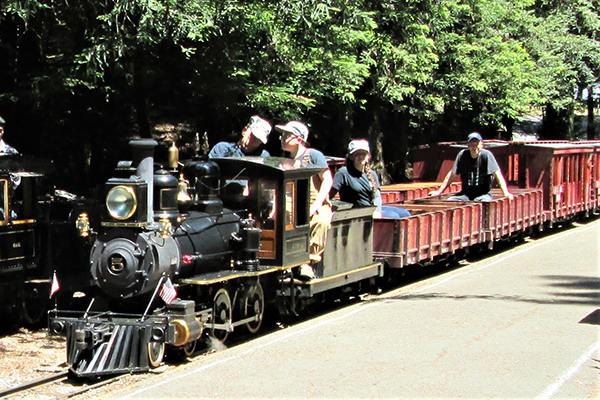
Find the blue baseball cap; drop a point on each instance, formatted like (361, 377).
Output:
(474, 135)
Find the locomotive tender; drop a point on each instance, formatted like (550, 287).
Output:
(232, 248)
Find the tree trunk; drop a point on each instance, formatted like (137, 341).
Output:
(557, 124)
(376, 140)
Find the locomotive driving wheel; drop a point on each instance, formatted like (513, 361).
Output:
(221, 314)
(156, 353)
(254, 306)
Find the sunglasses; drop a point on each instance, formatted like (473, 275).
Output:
(286, 135)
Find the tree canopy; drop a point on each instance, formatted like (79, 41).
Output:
(78, 79)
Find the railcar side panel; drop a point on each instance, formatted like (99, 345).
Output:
(504, 217)
(433, 230)
(402, 192)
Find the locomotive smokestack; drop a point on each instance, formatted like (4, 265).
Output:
(143, 161)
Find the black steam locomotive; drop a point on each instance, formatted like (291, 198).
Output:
(38, 239)
(223, 239)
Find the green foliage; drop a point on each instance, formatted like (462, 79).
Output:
(407, 69)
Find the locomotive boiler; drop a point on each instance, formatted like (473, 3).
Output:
(146, 240)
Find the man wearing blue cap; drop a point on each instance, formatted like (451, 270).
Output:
(477, 168)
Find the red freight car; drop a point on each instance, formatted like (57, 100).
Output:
(568, 173)
(438, 228)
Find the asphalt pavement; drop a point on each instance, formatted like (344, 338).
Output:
(523, 324)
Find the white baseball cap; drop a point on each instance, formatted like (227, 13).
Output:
(296, 128)
(358, 144)
(260, 127)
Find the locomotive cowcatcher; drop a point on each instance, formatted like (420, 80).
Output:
(226, 237)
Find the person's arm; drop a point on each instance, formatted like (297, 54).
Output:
(336, 185)
(216, 151)
(326, 184)
(378, 202)
(503, 186)
(450, 176)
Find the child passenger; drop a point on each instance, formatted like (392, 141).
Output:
(358, 184)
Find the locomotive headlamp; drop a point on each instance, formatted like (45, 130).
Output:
(121, 202)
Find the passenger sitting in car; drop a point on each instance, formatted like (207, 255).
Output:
(294, 136)
(358, 184)
(477, 168)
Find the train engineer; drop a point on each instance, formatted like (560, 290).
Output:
(294, 135)
(5, 149)
(254, 136)
(477, 168)
(359, 185)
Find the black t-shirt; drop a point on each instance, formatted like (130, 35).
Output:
(354, 186)
(476, 174)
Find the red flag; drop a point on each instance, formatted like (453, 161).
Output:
(168, 292)
(55, 285)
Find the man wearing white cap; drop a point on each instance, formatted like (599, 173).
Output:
(294, 135)
(477, 168)
(254, 137)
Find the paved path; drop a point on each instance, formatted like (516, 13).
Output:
(522, 324)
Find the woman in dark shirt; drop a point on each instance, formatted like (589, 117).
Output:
(358, 184)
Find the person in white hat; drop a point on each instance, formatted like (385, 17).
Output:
(294, 135)
(359, 185)
(477, 169)
(254, 136)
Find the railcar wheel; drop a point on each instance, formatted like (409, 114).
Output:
(221, 314)
(189, 348)
(156, 353)
(254, 305)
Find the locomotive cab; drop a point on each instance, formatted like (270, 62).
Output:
(276, 193)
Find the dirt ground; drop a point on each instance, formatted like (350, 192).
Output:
(28, 355)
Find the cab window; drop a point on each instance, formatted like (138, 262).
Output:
(236, 188)
(290, 205)
(268, 205)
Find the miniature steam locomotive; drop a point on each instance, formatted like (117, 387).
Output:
(228, 245)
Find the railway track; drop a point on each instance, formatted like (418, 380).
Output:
(45, 386)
